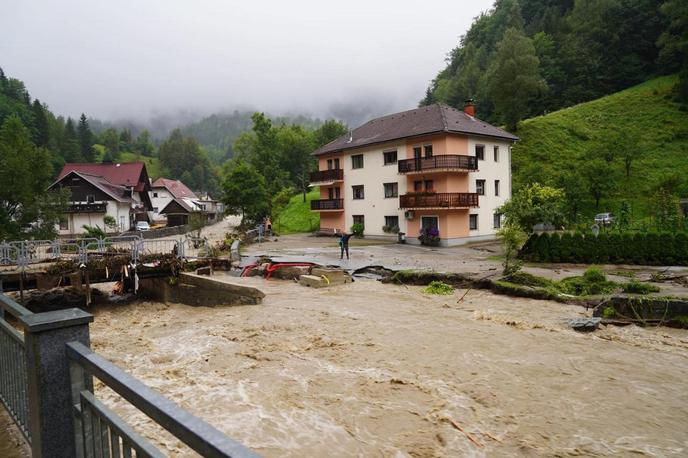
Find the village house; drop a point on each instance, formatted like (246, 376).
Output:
(99, 190)
(435, 173)
(165, 191)
(174, 203)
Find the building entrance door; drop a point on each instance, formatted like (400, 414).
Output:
(429, 222)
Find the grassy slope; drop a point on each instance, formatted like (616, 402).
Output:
(297, 216)
(560, 140)
(152, 163)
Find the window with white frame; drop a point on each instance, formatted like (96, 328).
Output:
(389, 157)
(497, 221)
(496, 153)
(496, 187)
(473, 222)
(357, 161)
(480, 152)
(358, 192)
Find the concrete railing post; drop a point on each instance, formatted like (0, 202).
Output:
(49, 388)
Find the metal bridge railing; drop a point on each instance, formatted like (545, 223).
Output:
(13, 376)
(106, 434)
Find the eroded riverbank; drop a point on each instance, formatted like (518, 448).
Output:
(371, 369)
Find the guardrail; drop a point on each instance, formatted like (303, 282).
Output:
(327, 175)
(439, 200)
(46, 385)
(13, 378)
(441, 162)
(327, 204)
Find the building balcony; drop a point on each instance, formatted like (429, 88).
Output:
(93, 207)
(441, 163)
(438, 200)
(327, 205)
(326, 176)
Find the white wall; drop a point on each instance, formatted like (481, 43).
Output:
(118, 210)
(164, 197)
(489, 170)
(372, 176)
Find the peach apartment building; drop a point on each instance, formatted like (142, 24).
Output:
(433, 169)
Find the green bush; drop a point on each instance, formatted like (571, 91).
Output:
(438, 287)
(594, 275)
(637, 287)
(648, 248)
(357, 229)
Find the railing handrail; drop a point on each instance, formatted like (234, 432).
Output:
(327, 204)
(328, 174)
(439, 199)
(450, 161)
(194, 432)
(13, 308)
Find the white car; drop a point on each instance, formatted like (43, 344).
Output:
(142, 226)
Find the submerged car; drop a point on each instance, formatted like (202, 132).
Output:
(604, 219)
(142, 226)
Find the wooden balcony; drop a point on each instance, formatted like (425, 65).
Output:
(327, 176)
(438, 200)
(444, 162)
(93, 207)
(327, 205)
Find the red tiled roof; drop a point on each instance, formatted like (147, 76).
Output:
(122, 174)
(177, 188)
(419, 121)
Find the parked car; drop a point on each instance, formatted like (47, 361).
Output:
(142, 226)
(604, 219)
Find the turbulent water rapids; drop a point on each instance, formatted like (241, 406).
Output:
(378, 370)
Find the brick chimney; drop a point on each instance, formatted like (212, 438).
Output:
(469, 107)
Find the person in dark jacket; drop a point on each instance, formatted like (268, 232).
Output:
(344, 245)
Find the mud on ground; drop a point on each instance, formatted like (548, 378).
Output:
(382, 370)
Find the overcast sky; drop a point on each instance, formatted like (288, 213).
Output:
(127, 58)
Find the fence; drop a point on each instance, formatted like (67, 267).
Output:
(13, 380)
(46, 384)
(25, 252)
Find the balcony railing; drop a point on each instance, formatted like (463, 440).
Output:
(327, 204)
(445, 161)
(327, 175)
(439, 200)
(94, 207)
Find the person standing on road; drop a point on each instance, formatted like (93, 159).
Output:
(344, 245)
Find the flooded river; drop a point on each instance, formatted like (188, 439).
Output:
(378, 370)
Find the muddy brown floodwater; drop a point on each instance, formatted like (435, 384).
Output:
(379, 370)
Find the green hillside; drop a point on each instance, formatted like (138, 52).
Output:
(297, 216)
(152, 163)
(643, 118)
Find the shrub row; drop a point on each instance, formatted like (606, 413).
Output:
(641, 248)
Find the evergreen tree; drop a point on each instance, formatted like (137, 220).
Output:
(85, 139)
(70, 143)
(514, 77)
(42, 128)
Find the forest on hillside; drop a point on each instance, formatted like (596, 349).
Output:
(528, 57)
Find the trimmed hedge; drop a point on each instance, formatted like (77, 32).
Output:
(646, 249)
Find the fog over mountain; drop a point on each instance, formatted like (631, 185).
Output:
(172, 62)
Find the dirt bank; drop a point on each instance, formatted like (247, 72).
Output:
(383, 370)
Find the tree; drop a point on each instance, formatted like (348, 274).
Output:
(26, 208)
(575, 191)
(70, 143)
(85, 139)
(183, 158)
(143, 144)
(41, 137)
(532, 205)
(514, 77)
(673, 44)
(110, 139)
(245, 192)
(513, 238)
(601, 179)
(667, 210)
(328, 131)
(295, 147)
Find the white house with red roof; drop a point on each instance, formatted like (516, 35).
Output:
(165, 191)
(100, 190)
